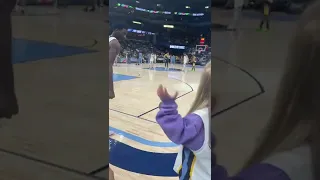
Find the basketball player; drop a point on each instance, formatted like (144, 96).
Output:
(173, 60)
(127, 60)
(153, 58)
(140, 58)
(119, 33)
(185, 61)
(194, 60)
(166, 60)
(266, 15)
(237, 13)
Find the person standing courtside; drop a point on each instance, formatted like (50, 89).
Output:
(8, 100)
(266, 9)
(166, 61)
(237, 14)
(119, 33)
(185, 62)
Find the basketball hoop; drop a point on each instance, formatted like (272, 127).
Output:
(201, 48)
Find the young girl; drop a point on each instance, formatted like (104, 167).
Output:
(266, 13)
(192, 132)
(290, 146)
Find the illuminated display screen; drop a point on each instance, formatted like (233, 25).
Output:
(177, 47)
(140, 32)
(159, 12)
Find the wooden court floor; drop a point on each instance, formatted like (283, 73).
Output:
(71, 133)
(132, 115)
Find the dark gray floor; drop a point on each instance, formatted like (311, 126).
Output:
(261, 54)
(62, 127)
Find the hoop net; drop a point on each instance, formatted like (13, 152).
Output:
(201, 48)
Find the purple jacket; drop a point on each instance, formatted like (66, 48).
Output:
(189, 132)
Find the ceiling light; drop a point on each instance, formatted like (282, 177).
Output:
(136, 22)
(168, 26)
(188, 7)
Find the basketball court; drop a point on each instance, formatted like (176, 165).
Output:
(61, 81)
(139, 140)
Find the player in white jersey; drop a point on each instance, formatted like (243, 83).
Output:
(153, 58)
(192, 132)
(185, 61)
(119, 33)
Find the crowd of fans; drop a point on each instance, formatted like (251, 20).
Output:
(131, 49)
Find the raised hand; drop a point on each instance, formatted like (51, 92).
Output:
(164, 95)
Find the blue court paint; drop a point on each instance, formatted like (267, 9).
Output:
(142, 140)
(28, 50)
(163, 69)
(121, 77)
(142, 162)
(197, 66)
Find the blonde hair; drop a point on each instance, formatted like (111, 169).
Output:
(203, 97)
(296, 116)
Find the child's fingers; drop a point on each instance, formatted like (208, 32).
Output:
(165, 90)
(160, 90)
(176, 94)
